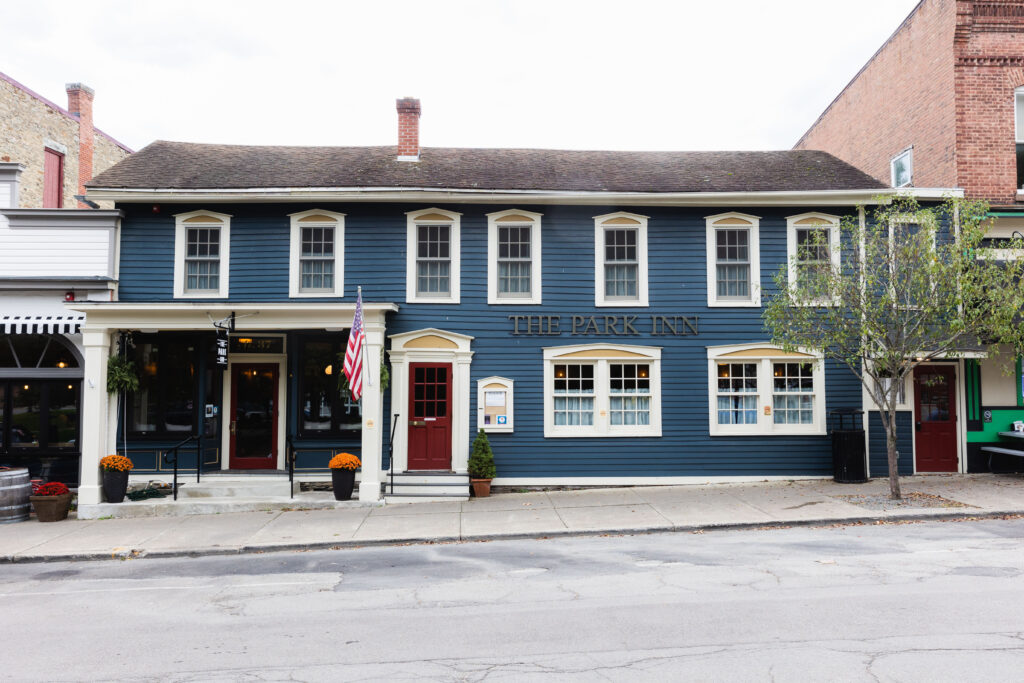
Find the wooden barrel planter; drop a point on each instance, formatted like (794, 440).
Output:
(15, 488)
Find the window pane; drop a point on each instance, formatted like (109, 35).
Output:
(433, 264)
(26, 403)
(144, 406)
(514, 264)
(63, 415)
(793, 389)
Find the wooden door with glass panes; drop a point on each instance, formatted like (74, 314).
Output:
(430, 416)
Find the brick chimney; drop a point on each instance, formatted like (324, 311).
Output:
(80, 105)
(408, 129)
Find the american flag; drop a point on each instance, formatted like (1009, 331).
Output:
(354, 351)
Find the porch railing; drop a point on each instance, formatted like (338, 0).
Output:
(170, 457)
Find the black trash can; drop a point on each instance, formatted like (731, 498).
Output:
(849, 466)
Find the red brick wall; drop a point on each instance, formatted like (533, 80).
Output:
(989, 56)
(903, 96)
(80, 104)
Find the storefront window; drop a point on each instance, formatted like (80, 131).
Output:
(41, 414)
(324, 411)
(165, 403)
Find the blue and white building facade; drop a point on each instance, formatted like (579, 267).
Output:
(598, 314)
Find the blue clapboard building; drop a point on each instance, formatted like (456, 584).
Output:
(598, 314)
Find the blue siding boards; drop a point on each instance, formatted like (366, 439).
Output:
(878, 459)
(375, 258)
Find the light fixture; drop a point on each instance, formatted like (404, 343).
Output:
(70, 387)
(329, 370)
(61, 364)
(25, 387)
(244, 340)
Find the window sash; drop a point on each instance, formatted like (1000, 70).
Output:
(433, 260)
(629, 394)
(621, 263)
(202, 259)
(737, 394)
(515, 261)
(793, 393)
(574, 394)
(732, 263)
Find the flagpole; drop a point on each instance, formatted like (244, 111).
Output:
(366, 368)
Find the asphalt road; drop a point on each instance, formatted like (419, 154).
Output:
(904, 602)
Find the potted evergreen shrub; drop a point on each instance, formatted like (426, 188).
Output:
(115, 476)
(343, 474)
(481, 465)
(51, 502)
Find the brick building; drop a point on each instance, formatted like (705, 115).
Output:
(941, 104)
(60, 149)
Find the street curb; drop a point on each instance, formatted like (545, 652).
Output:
(141, 553)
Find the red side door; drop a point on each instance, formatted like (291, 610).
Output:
(935, 418)
(253, 416)
(430, 416)
(53, 179)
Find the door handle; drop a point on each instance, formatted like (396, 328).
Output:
(917, 426)
(233, 423)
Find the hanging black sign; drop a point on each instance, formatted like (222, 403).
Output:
(222, 349)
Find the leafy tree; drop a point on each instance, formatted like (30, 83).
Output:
(481, 458)
(914, 284)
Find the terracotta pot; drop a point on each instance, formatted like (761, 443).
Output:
(343, 481)
(481, 488)
(51, 508)
(115, 485)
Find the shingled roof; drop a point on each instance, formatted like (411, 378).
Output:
(188, 166)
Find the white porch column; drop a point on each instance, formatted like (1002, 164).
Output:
(373, 414)
(95, 414)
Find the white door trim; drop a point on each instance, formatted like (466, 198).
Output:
(281, 360)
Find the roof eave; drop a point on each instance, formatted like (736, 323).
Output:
(423, 194)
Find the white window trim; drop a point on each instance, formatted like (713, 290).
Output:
(755, 260)
(507, 387)
(413, 221)
(601, 355)
(295, 253)
(493, 221)
(641, 256)
(826, 221)
(908, 152)
(180, 237)
(765, 423)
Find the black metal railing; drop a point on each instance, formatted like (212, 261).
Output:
(391, 454)
(289, 456)
(170, 457)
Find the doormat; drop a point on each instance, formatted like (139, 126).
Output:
(911, 500)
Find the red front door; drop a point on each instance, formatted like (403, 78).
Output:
(430, 416)
(253, 416)
(935, 418)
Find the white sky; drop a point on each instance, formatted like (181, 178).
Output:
(627, 74)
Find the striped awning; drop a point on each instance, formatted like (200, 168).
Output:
(41, 324)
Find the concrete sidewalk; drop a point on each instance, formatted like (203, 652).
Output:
(517, 515)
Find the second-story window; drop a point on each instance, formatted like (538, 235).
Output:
(513, 257)
(733, 260)
(902, 168)
(317, 254)
(201, 251)
(620, 260)
(1019, 136)
(812, 245)
(432, 270)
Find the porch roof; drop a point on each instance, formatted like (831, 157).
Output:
(251, 317)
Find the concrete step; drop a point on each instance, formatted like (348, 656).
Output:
(248, 488)
(399, 499)
(168, 507)
(430, 478)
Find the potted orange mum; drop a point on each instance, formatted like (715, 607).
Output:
(115, 476)
(343, 474)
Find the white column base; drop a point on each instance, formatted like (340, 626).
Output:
(369, 491)
(90, 495)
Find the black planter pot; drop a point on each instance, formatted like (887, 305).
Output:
(115, 485)
(344, 481)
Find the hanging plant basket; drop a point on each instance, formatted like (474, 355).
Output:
(121, 375)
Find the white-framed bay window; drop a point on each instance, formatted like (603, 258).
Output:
(513, 257)
(433, 256)
(620, 259)
(602, 390)
(316, 263)
(759, 390)
(812, 244)
(733, 259)
(202, 251)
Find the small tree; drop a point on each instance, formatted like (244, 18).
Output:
(914, 284)
(481, 459)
